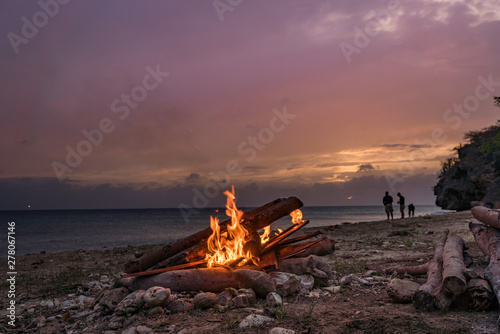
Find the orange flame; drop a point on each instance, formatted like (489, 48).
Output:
(296, 216)
(228, 246)
(264, 237)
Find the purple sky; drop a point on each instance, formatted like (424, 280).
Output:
(319, 99)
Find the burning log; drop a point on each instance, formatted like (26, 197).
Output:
(487, 216)
(254, 220)
(273, 242)
(252, 245)
(424, 298)
(320, 247)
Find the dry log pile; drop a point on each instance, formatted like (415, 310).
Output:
(449, 281)
(181, 265)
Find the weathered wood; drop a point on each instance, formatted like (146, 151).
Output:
(487, 216)
(272, 243)
(206, 279)
(454, 280)
(253, 221)
(423, 298)
(301, 238)
(163, 270)
(268, 260)
(320, 247)
(410, 270)
(478, 296)
(492, 273)
(480, 232)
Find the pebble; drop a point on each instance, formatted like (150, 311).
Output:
(180, 305)
(254, 320)
(205, 300)
(143, 329)
(273, 299)
(280, 330)
(130, 330)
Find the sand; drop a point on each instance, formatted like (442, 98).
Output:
(361, 248)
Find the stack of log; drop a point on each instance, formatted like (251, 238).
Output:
(186, 257)
(453, 280)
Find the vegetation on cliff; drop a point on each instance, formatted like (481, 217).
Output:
(473, 174)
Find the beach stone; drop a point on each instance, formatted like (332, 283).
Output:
(280, 330)
(273, 299)
(156, 296)
(179, 305)
(47, 303)
(200, 330)
(347, 280)
(130, 304)
(286, 283)
(240, 301)
(130, 330)
(306, 283)
(143, 329)
(254, 320)
(112, 298)
(205, 300)
(156, 311)
(252, 297)
(258, 281)
(224, 298)
(116, 322)
(402, 291)
(333, 289)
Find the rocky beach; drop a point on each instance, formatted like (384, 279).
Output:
(55, 292)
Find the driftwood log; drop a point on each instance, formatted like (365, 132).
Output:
(454, 277)
(478, 296)
(424, 298)
(321, 247)
(205, 279)
(253, 221)
(487, 216)
(410, 270)
(492, 273)
(480, 233)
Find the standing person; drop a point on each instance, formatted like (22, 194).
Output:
(401, 203)
(387, 200)
(411, 210)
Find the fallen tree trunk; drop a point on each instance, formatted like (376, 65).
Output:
(487, 216)
(410, 270)
(254, 220)
(478, 296)
(480, 232)
(492, 273)
(206, 279)
(423, 298)
(454, 280)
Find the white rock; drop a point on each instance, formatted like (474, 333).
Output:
(130, 304)
(273, 299)
(143, 329)
(306, 283)
(47, 303)
(130, 330)
(333, 289)
(254, 320)
(156, 296)
(280, 330)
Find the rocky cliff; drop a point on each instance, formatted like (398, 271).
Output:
(474, 174)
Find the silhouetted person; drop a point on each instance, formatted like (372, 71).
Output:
(411, 210)
(401, 203)
(387, 200)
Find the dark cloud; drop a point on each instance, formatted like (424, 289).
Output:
(254, 169)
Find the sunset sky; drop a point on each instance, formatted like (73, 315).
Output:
(136, 104)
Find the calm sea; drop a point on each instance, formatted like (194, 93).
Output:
(61, 230)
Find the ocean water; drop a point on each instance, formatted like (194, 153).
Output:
(60, 230)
